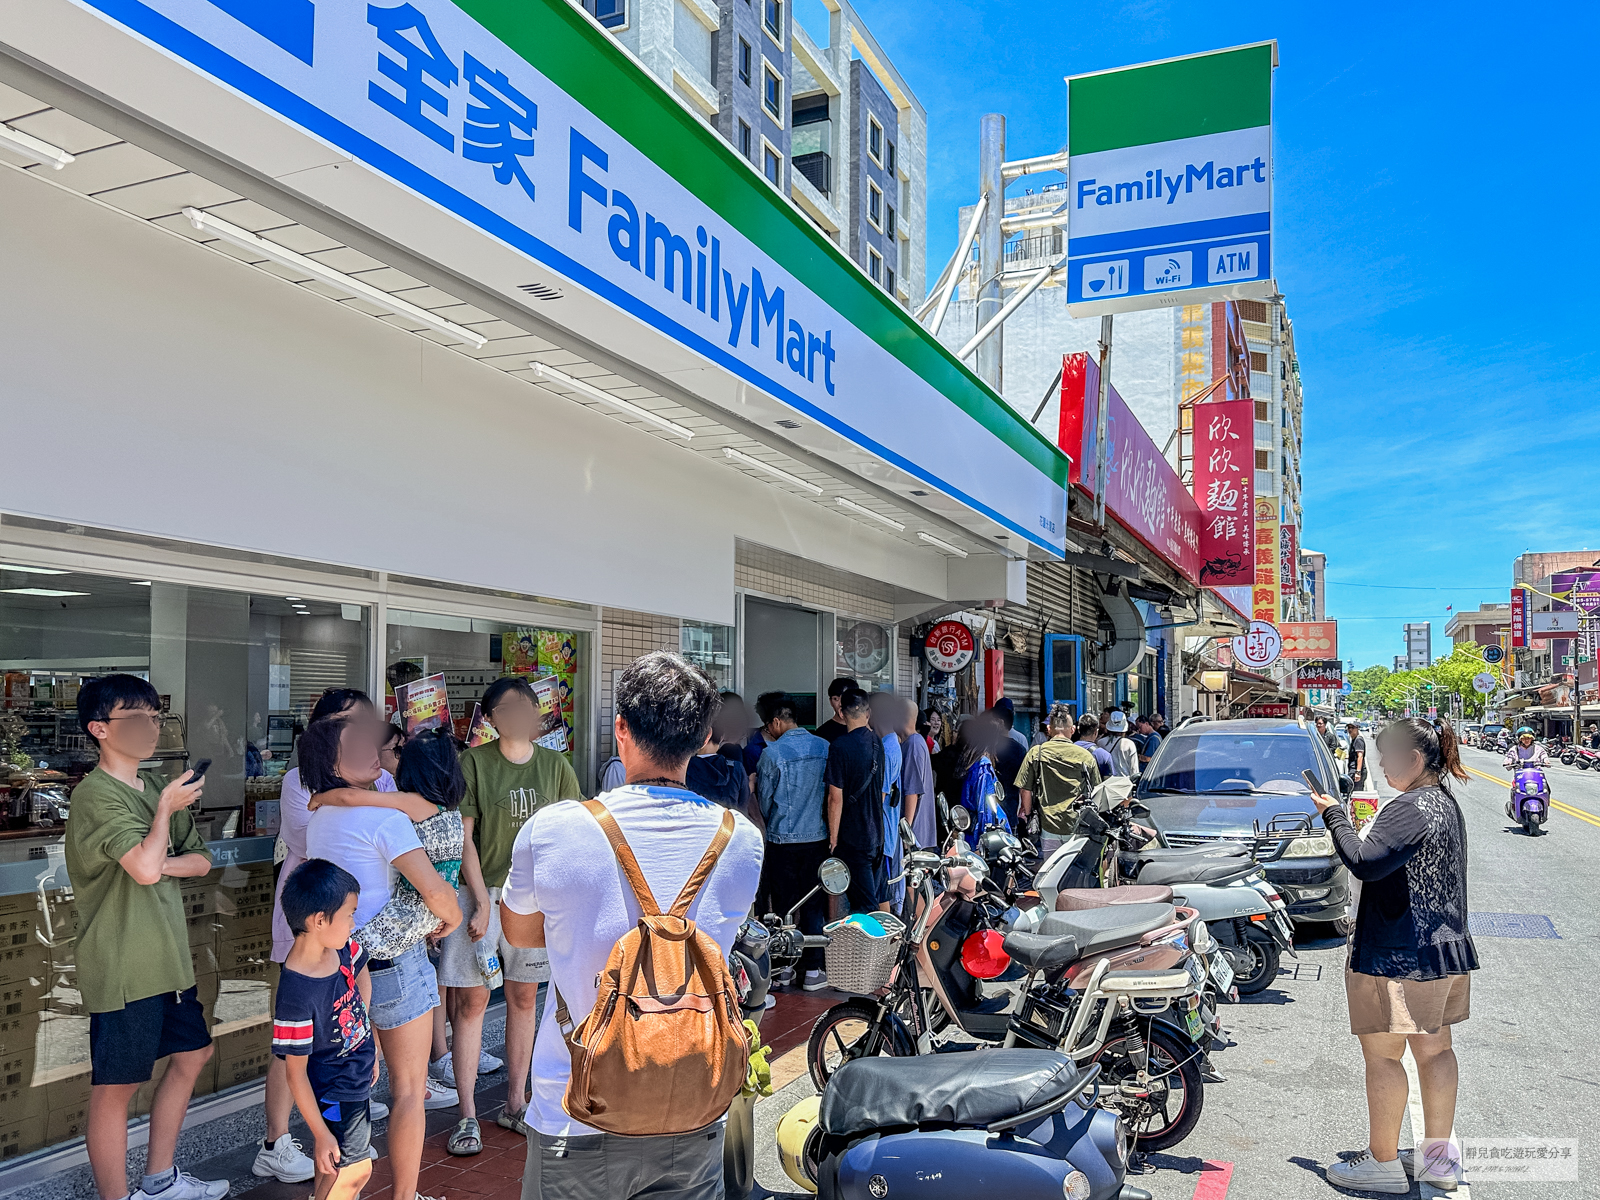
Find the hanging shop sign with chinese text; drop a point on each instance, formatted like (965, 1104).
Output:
(949, 647)
(1264, 590)
(1310, 639)
(1258, 648)
(1143, 492)
(1324, 673)
(1288, 560)
(1519, 617)
(1169, 182)
(583, 164)
(1224, 488)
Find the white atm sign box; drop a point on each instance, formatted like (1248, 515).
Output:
(1170, 182)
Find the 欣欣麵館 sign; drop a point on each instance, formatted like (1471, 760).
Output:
(1170, 182)
(528, 123)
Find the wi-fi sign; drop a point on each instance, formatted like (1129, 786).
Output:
(1163, 272)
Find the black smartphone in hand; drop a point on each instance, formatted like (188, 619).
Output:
(1312, 782)
(197, 772)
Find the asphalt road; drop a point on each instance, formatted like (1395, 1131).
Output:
(1294, 1101)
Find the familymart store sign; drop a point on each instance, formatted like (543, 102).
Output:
(1170, 182)
(521, 119)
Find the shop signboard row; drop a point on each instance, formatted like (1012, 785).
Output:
(1169, 182)
(1324, 674)
(532, 126)
(1265, 604)
(1143, 492)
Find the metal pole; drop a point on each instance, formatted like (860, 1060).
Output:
(1102, 411)
(991, 247)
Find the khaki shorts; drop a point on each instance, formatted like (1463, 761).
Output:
(1380, 1005)
(458, 962)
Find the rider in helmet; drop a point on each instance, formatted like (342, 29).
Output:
(1526, 752)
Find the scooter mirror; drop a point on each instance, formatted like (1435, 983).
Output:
(835, 876)
(961, 818)
(1347, 786)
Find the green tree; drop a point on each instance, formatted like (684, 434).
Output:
(1364, 687)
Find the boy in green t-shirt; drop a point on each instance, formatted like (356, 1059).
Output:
(130, 838)
(508, 780)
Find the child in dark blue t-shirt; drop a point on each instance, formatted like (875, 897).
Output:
(320, 1026)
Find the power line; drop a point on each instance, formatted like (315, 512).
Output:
(1405, 587)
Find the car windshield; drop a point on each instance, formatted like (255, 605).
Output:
(1494, 729)
(1222, 762)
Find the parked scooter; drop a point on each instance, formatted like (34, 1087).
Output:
(1018, 1123)
(759, 951)
(1585, 759)
(1529, 802)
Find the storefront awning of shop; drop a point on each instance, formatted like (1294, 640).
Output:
(846, 404)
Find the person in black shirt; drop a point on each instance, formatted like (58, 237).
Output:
(717, 777)
(320, 1026)
(1008, 754)
(1356, 764)
(834, 727)
(854, 780)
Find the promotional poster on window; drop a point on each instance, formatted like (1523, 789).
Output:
(424, 705)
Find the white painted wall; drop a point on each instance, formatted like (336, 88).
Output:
(187, 395)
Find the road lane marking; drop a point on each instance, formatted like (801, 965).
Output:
(1214, 1179)
(1555, 804)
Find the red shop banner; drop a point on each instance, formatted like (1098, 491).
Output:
(1288, 559)
(1519, 617)
(1143, 492)
(1224, 483)
(1310, 639)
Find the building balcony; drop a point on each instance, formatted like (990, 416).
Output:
(811, 148)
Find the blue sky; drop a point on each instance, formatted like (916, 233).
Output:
(1436, 209)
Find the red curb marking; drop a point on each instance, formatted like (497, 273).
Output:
(1214, 1180)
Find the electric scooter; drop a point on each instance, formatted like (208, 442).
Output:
(1529, 803)
(1019, 1123)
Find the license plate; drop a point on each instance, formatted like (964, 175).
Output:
(742, 982)
(1191, 1022)
(1221, 972)
(1284, 928)
(1197, 972)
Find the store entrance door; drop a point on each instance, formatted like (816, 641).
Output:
(782, 653)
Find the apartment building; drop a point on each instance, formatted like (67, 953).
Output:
(1419, 645)
(1481, 626)
(1314, 584)
(833, 127)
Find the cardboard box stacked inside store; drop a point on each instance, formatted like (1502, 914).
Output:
(44, 1030)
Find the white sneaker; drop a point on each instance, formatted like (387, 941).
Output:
(443, 1069)
(1440, 1169)
(185, 1187)
(1366, 1174)
(488, 1064)
(439, 1096)
(815, 981)
(377, 1110)
(284, 1161)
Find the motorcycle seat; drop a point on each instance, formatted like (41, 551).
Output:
(870, 1094)
(1050, 953)
(1100, 929)
(1206, 870)
(1078, 899)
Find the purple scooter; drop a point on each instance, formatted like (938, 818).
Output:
(1529, 805)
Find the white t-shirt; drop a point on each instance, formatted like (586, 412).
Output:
(562, 866)
(1124, 754)
(364, 841)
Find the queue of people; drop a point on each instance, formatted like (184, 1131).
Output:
(415, 877)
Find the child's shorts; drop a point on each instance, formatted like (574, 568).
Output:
(350, 1122)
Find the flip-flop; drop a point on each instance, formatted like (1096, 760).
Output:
(514, 1122)
(467, 1133)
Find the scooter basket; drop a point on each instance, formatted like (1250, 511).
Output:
(862, 962)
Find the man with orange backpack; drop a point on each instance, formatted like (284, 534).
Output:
(634, 1069)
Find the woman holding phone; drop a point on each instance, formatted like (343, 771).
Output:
(1407, 979)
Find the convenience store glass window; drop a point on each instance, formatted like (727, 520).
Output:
(709, 647)
(865, 649)
(238, 674)
(470, 653)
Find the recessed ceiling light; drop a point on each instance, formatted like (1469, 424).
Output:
(291, 598)
(31, 570)
(40, 592)
(302, 613)
(138, 583)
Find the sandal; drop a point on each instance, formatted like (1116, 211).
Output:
(467, 1139)
(514, 1122)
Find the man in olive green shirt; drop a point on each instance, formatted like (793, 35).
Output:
(130, 838)
(508, 780)
(1061, 776)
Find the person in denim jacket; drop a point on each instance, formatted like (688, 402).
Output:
(789, 789)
